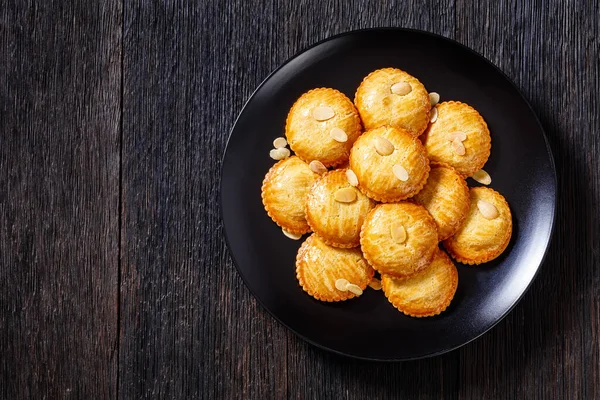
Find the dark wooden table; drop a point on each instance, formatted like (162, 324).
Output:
(115, 281)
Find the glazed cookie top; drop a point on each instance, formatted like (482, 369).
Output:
(330, 273)
(336, 210)
(399, 239)
(459, 137)
(390, 164)
(446, 197)
(390, 96)
(322, 125)
(427, 293)
(486, 231)
(284, 192)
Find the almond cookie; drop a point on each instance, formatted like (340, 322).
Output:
(459, 137)
(446, 197)
(390, 96)
(486, 231)
(336, 210)
(390, 164)
(330, 273)
(399, 239)
(322, 125)
(284, 192)
(426, 293)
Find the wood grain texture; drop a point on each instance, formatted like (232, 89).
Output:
(59, 210)
(171, 318)
(171, 271)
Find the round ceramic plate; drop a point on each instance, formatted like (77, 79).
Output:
(369, 327)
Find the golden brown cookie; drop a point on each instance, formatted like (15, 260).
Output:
(336, 210)
(459, 137)
(390, 96)
(325, 272)
(390, 164)
(284, 192)
(399, 239)
(446, 197)
(322, 125)
(426, 293)
(486, 231)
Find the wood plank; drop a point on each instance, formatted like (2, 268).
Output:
(59, 198)
(189, 326)
(548, 347)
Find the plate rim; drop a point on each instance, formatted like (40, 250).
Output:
(464, 47)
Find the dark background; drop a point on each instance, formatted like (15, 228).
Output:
(115, 281)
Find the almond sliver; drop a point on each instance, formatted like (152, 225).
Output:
(398, 233)
(345, 195)
(383, 146)
(279, 143)
(487, 209)
(317, 167)
(457, 135)
(458, 147)
(434, 98)
(434, 114)
(354, 289)
(322, 113)
(401, 88)
(482, 177)
(293, 236)
(352, 178)
(338, 135)
(341, 284)
(400, 172)
(280, 153)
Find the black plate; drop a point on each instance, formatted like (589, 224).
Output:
(521, 167)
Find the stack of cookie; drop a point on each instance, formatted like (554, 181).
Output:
(381, 183)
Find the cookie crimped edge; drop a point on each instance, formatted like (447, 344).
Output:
(328, 241)
(389, 199)
(374, 265)
(336, 244)
(425, 125)
(488, 256)
(439, 309)
(287, 124)
(262, 196)
(439, 164)
(489, 146)
(300, 277)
